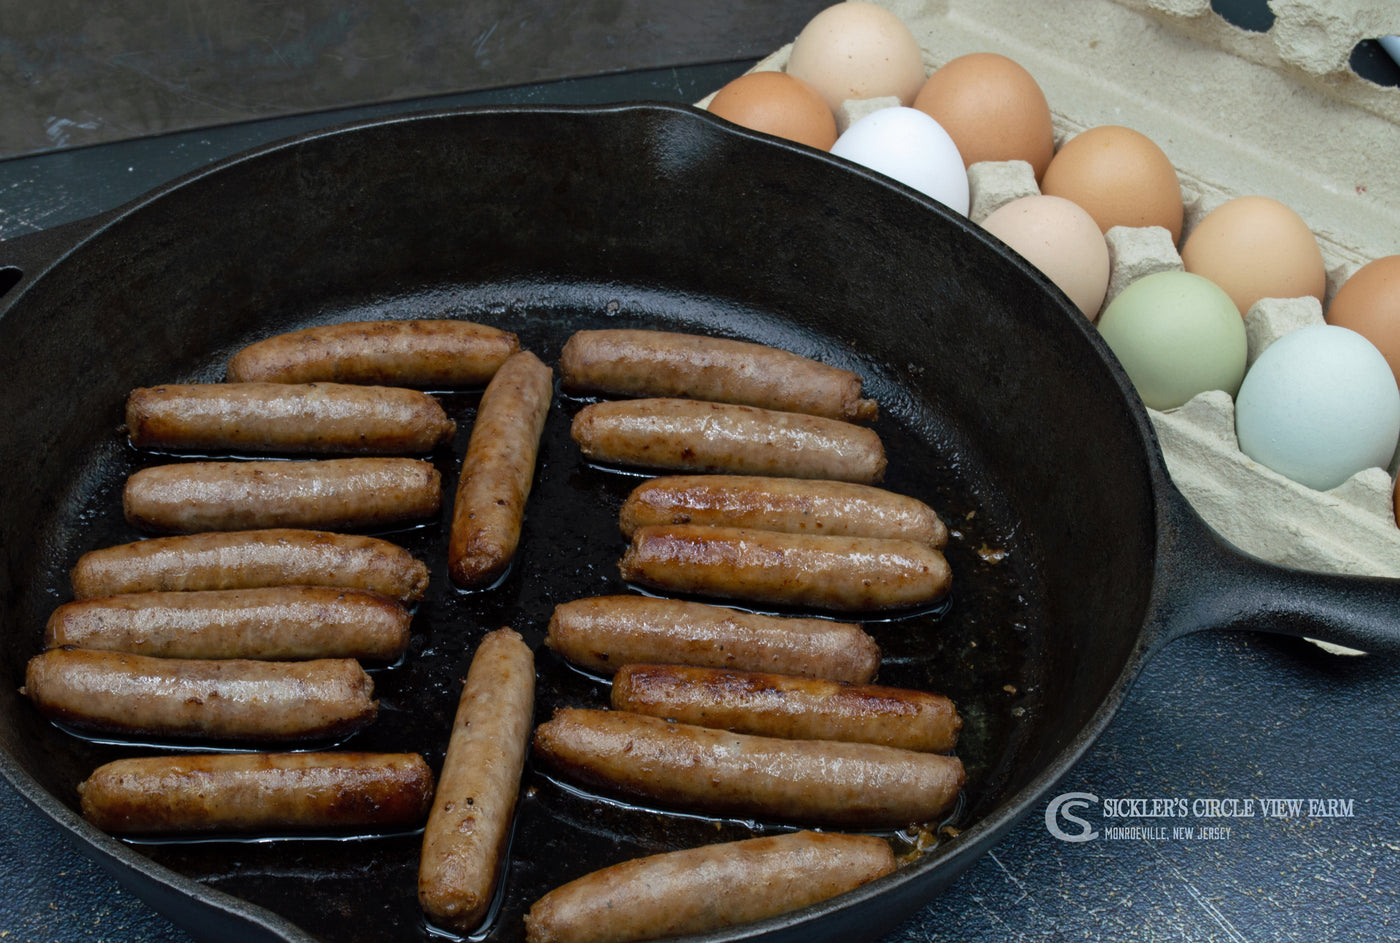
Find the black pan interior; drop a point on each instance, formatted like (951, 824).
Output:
(998, 408)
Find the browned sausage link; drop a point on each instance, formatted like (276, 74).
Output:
(257, 792)
(816, 782)
(773, 705)
(692, 366)
(498, 469)
(603, 633)
(845, 574)
(291, 622)
(469, 827)
(794, 505)
(234, 699)
(397, 353)
(286, 418)
(696, 890)
(689, 435)
(273, 557)
(331, 493)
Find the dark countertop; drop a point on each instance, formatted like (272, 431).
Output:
(1212, 718)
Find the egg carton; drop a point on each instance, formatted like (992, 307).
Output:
(1239, 113)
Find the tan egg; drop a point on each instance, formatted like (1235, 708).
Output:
(1369, 303)
(992, 108)
(858, 50)
(1120, 177)
(1062, 241)
(778, 104)
(1256, 247)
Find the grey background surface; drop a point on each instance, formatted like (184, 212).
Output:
(74, 73)
(107, 104)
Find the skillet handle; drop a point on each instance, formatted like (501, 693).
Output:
(24, 258)
(1205, 582)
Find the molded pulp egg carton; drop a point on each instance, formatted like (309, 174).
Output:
(1239, 113)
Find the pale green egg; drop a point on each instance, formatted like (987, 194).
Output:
(1176, 335)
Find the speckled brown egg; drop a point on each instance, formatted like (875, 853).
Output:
(1120, 176)
(858, 50)
(779, 104)
(992, 108)
(1256, 247)
(1369, 303)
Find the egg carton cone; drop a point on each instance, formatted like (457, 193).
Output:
(1239, 113)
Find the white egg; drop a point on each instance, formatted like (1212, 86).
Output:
(1319, 405)
(911, 147)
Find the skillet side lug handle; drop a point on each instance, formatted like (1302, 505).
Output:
(24, 258)
(1205, 582)
(10, 276)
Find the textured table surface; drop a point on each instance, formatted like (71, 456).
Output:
(140, 67)
(1212, 718)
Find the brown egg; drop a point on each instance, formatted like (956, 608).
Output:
(857, 50)
(1369, 304)
(1062, 241)
(1255, 247)
(992, 108)
(1120, 177)
(778, 104)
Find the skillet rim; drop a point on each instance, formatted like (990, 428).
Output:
(949, 858)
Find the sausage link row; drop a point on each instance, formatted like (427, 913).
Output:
(286, 418)
(247, 559)
(640, 363)
(257, 792)
(717, 772)
(230, 699)
(277, 622)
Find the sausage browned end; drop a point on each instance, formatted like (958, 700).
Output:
(498, 470)
(641, 363)
(232, 699)
(602, 633)
(287, 622)
(246, 559)
(429, 353)
(257, 792)
(696, 436)
(338, 493)
(773, 705)
(695, 890)
(843, 574)
(286, 418)
(697, 769)
(469, 827)
(793, 505)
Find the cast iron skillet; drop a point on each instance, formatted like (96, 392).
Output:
(1075, 557)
